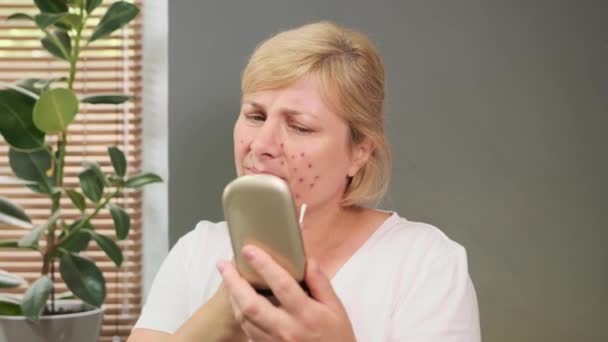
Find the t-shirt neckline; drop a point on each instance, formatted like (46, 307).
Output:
(375, 235)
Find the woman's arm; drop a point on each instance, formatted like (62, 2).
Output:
(143, 335)
(166, 316)
(213, 322)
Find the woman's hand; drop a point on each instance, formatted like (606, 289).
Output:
(299, 317)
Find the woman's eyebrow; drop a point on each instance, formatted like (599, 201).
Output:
(254, 104)
(293, 112)
(286, 111)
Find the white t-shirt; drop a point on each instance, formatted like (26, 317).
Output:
(408, 282)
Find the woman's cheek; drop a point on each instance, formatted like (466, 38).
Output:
(240, 154)
(302, 175)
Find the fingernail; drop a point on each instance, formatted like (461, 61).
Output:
(221, 266)
(249, 254)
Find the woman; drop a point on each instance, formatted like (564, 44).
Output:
(312, 114)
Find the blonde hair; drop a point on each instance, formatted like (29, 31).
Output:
(351, 75)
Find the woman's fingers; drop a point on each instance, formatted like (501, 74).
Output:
(298, 316)
(284, 287)
(247, 304)
(255, 333)
(320, 286)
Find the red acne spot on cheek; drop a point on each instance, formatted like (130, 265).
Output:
(309, 165)
(302, 154)
(316, 177)
(312, 185)
(282, 145)
(297, 196)
(282, 163)
(293, 156)
(301, 179)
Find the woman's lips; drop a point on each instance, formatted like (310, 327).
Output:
(253, 170)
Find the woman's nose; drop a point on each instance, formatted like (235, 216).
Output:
(267, 141)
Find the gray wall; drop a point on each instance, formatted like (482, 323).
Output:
(497, 114)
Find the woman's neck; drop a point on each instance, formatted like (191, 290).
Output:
(325, 228)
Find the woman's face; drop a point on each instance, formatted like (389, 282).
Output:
(292, 134)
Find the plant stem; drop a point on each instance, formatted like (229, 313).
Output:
(83, 223)
(48, 256)
(52, 287)
(50, 253)
(76, 53)
(48, 260)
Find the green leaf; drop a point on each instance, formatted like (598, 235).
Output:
(31, 239)
(109, 246)
(61, 25)
(77, 199)
(118, 160)
(70, 21)
(116, 180)
(32, 166)
(77, 224)
(35, 297)
(8, 244)
(16, 120)
(52, 6)
(79, 239)
(42, 188)
(13, 214)
(83, 278)
(122, 221)
(91, 185)
(44, 20)
(55, 110)
(95, 167)
(92, 4)
(10, 306)
(56, 194)
(76, 242)
(107, 99)
(8, 280)
(58, 44)
(142, 179)
(118, 15)
(20, 16)
(75, 3)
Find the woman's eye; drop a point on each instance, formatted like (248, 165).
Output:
(256, 117)
(301, 129)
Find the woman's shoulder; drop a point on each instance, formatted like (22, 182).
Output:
(208, 238)
(415, 239)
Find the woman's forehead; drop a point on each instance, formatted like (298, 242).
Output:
(303, 96)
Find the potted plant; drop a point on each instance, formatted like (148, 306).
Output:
(32, 110)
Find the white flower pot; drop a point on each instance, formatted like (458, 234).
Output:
(82, 326)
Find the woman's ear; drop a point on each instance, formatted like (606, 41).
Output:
(360, 155)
